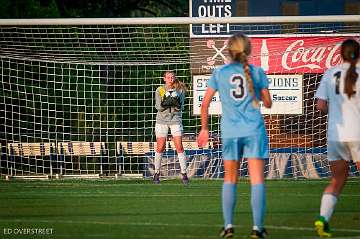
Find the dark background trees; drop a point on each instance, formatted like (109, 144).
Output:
(92, 8)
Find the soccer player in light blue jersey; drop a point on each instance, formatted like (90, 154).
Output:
(339, 96)
(241, 86)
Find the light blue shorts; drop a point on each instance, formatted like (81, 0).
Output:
(255, 146)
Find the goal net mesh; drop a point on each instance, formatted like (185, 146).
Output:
(79, 100)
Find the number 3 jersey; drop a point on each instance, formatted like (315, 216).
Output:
(344, 113)
(239, 117)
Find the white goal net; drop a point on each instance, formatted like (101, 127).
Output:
(78, 98)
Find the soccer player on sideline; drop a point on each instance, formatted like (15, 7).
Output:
(169, 101)
(243, 132)
(339, 95)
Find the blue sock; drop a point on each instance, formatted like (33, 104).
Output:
(258, 205)
(228, 202)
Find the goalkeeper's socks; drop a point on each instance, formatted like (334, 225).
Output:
(228, 202)
(258, 204)
(328, 202)
(182, 161)
(157, 163)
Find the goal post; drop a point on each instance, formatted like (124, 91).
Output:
(77, 95)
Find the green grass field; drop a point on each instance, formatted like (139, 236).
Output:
(139, 209)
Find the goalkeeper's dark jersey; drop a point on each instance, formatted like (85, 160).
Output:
(169, 105)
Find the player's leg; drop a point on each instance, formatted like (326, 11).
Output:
(339, 169)
(339, 173)
(231, 152)
(160, 147)
(181, 153)
(177, 132)
(231, 168)
(161, 132)
(255, 150)
(258, 196)
(354, 148)
(182, 158)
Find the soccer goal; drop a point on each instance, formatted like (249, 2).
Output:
(77, 95)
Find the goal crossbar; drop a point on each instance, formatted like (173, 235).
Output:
(179, 20)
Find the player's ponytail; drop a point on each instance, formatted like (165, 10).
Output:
(239, 49)
(350, 53)
(180, 86)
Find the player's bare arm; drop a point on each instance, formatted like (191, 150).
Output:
(204, 133)
(266, 98)
(322, 105)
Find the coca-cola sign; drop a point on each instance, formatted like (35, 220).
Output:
(299, 55)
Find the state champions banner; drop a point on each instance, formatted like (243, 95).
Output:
(285, 90)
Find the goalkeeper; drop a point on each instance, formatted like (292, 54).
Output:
(169, 102)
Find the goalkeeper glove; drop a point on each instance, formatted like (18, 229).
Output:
(166, 102)
(171, 100)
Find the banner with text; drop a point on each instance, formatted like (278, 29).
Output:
(297, 55)
(211, 8)
(286, 93)
(199, 87)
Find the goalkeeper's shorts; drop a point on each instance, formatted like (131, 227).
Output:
(162, 130)
(343, 150)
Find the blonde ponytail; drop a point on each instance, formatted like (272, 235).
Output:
(239, 49)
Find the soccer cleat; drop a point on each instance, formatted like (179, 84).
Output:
(258, 234)
(156, 178)
(322, 227)
(228, 233)
(185, 179)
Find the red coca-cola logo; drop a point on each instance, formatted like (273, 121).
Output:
(297, 56)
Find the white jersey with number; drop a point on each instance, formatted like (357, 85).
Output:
(344, 113)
